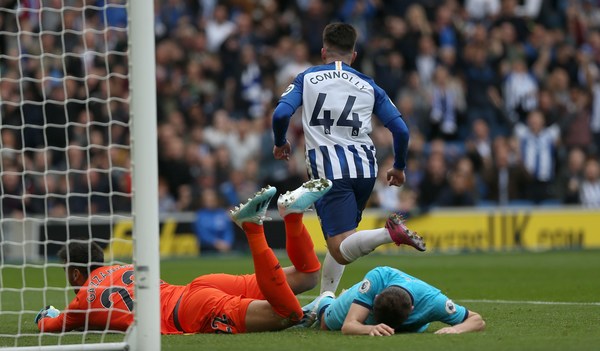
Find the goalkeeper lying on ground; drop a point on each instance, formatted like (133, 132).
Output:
(215, 303)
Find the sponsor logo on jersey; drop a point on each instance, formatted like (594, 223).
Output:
(365, 286)
(450, 308)
(288, 90)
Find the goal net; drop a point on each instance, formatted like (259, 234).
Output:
(66, 156)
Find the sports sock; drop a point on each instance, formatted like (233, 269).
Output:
(331, 274)
(270, 276)
(299, 244)
(363, 242)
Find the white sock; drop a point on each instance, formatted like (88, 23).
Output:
(363, 242)
(331, 273)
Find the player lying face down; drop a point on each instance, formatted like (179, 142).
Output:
(214, 303)
(388, 301)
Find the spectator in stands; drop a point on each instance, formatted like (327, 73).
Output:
(445, 32)
(480, 10)
(433, 181)
(557, 84)
(171, 163)
(243, 143)
(509, 60)
(415, 161)
(384, 196)
(241, 183)
(426, 60)
(538, 151)
(589, 193)
(313, 20)
(213, 225)
(571, 177)
(11, 193)
(447, 105)
(408, 203)
(509, 14)
(166, 201)
(481, 80)
(415, 92)
(480, 143)
(461, 186)
(549, 107)
(299, 63)
(417, 27)
(245, 87)
(595, 124)
(575, 122)
(185, 198)
(506, 180)
(520, 91)
(218, 27)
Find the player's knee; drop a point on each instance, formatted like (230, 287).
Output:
(309, 281)
(338, 256)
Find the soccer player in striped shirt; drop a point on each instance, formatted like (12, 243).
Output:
(337, 103)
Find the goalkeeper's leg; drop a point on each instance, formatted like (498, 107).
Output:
(281, 308)
(299, 245)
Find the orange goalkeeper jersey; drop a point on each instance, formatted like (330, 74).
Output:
(105, 301)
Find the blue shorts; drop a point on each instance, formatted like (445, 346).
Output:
(340, 209)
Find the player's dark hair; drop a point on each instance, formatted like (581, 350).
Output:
(392, 306)
(82, 254)
(340, 37)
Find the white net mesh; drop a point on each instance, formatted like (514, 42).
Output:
(65, 152)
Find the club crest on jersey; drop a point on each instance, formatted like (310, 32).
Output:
(288, 90)
(364, 286)
(450, 308)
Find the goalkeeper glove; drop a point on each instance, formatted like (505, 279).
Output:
(48, 311)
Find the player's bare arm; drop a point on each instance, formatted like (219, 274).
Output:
(473, 323)
(354, 324)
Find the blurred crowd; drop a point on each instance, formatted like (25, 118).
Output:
(502, 99)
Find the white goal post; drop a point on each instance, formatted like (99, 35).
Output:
(145, 175)
(78, 161)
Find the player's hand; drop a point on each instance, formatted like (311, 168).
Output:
(447, 330)
(381, 330)
(282, 152)
(396, 177)
(47, 312)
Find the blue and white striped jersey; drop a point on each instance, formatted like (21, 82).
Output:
(338, 102)
(537, 150)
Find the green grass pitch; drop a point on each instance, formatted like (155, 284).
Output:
(530, 301)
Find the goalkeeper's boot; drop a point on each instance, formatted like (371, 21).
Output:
(401, 235)
(255, 209)
(314, 310)
(299, 200)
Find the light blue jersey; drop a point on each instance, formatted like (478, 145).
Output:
(430, 305)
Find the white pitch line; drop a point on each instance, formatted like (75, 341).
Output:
(533, 302)
(563, 303)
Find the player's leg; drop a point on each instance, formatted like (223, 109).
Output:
(315, 309)
(344, 243)
(332, 272)
(304, 274)
(363, 242)
(338, 217)
(281, 309)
